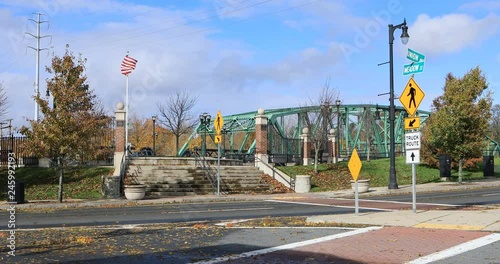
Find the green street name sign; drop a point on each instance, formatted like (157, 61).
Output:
(415, 56)
(415, 67)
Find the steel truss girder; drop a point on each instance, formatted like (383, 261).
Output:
(362, 126)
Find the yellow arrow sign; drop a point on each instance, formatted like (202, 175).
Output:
(411, 97)
(412, 123)
(354, 165)
(217, 138)
(218, 122)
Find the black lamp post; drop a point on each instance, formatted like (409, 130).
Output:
(325, 114)
(204, 121)
(337, 150)
(393, 184)
(154, 134)
(224, 133)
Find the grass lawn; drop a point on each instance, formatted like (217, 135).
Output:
(333, 177)
(43, 183)
(85, 182)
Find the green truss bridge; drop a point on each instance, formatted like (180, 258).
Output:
(361, 126)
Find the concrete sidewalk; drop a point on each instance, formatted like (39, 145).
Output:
(484, 220)
(487, 219)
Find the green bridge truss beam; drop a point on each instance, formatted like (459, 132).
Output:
(362, 126)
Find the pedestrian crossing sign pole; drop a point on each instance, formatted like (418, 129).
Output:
(218, 123)
(411, 98)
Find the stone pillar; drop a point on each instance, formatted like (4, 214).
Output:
(261, 136)
(111, 184)
(307, 146)
(332, 151)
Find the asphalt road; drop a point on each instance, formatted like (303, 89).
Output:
(174, 213)
(94, 240)
(486, 196)
(167, 213)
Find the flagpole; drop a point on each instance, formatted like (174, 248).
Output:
(126, 117)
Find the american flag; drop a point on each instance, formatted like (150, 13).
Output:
(128, 64)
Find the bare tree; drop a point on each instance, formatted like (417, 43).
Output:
(319, 123)
(175, 114)
(3, 102)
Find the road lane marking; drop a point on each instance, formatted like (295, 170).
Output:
(289, 246)
(329, 205)
(218, 210)
(396, 202)
(491, 194)
(449, 226)
(458, 249)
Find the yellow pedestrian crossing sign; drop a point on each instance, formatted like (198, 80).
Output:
(411, 97)
(218, 122)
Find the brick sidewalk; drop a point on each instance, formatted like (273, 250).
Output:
(385, 245)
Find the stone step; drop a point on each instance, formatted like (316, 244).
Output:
(177, 177)
(179, 161)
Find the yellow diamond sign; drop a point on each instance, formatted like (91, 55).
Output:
(218, 122)
(354, 165)
(411, 97)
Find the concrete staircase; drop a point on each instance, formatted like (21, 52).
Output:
(168, 176)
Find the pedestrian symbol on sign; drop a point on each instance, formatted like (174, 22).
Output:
(412, 96)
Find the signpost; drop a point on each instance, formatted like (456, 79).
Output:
(415, 56)
(411, 97)
(218, 123)
(412, 146)
(412, 68)
(355, 167)
(417, 65)
(412, 123)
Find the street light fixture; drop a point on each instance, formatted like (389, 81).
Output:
(204, 121)
(393, 183)
(337, 150)
(154, 134)
(325, 107)
(224, 132)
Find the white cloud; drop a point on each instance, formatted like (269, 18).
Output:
(481, 4)
(450, 33)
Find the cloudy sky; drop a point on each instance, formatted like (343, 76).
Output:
(240, 55)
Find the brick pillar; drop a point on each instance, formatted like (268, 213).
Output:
(307, 146)
(120, 128)
(261, 136)
(111, 184)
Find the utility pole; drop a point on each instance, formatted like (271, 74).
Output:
(37, 49)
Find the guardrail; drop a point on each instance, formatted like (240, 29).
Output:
(202, 163)
(278, 175)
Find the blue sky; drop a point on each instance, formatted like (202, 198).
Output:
(241, 55)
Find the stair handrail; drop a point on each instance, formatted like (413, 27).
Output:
(202, 163)
(283, 177)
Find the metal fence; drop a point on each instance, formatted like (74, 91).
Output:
(282, 149)
(15, 144)
(104, 154)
